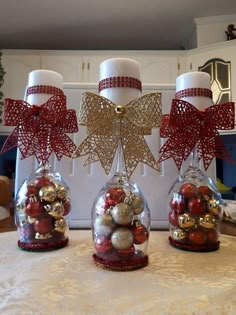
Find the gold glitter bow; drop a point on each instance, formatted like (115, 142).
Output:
(110, 124)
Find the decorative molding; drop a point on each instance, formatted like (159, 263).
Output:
(216, 19)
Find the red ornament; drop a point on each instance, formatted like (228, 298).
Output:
(178, 204)
(197, 206)
(43, 181)
(198, 237)
(140, 234)
(103, 245)
(188, 190)
(115, 196)
(34, 209)
(126, 253)
(173, 218)
(67, 206)
(107, 206)
(44, 224)
(205, 191)
(31, 190)
(212, 236)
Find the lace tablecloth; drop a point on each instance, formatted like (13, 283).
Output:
(67, 281)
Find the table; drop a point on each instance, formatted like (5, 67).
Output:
(67, 281)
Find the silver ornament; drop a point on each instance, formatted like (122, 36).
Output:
(60, 225)
(55, 209)
(122, 238)
(47, 193)
(61, 192)
(208, 221)
(179, 234)
(104, 224)
(186, 221)
(122, 213)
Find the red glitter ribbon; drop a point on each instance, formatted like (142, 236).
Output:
(40, 130)
(194, 92)
(113, 82)
(186, 127)
(44, 89)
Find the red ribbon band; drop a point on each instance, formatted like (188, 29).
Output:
(194, 92)
(44, 89)
(113, 82)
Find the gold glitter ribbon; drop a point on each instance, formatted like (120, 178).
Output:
(110, 124)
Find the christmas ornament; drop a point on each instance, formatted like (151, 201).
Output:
(118, 130)
(195, 204)
(43, 199)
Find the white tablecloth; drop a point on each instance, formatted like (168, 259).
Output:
(67, 281)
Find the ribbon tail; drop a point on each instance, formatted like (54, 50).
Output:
(62, 145)
(11, 141)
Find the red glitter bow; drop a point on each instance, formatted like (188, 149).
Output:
(40, 130)
(186, 127)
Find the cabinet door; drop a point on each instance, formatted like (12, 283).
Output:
(71, 67)
(158, 69)
(17, 68)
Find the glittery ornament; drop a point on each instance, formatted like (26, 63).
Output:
(104, 224)
(60, 225)
(61, 192)
(122, 238)
(47, 193)
(122, 214)
(137, 204)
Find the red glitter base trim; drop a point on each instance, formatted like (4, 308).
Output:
(42, 247)
(125, 265)
(195, 248)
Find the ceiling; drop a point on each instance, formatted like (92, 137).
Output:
(103, 24)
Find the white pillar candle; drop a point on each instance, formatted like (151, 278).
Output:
(43, 77)
(195, 80)
(120, 67)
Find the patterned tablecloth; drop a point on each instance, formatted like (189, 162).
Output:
(67, 282)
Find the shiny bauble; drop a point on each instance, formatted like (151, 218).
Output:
(31, 190)
(67, 206)
(122, 214)
(178, 203)
(43, 181)
(197, 206)
(61, 192)
(56, 209)
(44, 224)
(115, 195)
(60, 225)
(188, 190)
(140, 234)
(179, 234)
(34, 209)
(122, 238)
(212, 235)
(103, 244)
(104, 224)
(47, 193)
(214, 206)
(208, 221)
(186, 221)
(198, 237)
(137, 204)
(205, 191)
(173, 218)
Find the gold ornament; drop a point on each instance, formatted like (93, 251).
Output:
(214, 206)
(186, 221)
(122, 238)
(60, 225)
(47, 193)
(61, 192)
(137, 204)
(46, 236)
(179, 235)
(109, 124)
(104, 224)
(55, 209)
(122, 213)
(208, 221)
